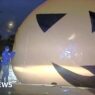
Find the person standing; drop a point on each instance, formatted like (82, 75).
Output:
(6, 59)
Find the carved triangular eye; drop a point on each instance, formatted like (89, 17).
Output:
(46, 21)
(92, 16)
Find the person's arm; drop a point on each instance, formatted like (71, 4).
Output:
(9, 55)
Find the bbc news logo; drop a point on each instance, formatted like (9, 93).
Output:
(5, 84)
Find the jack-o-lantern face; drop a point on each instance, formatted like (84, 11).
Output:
(60, 31)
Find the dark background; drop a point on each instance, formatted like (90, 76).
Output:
(14, 11)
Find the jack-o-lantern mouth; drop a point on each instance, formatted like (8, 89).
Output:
(73, 78)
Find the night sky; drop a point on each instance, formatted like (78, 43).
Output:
(12, 14)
